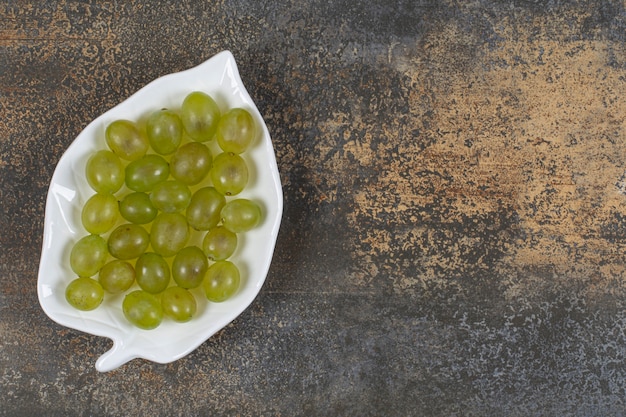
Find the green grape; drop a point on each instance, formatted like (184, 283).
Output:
(84, 294)
(219, 243)
(126, 140)
(165, 131)
(179, 304)
(189, 267)
(128, 241)
(144, 173)
(203, 211)
(170, 196)
(169, 233)
(241, 215)
(229, 173)
(137, 208)
(117, 276)
(142, 309)
(236, 131)
(191, 163)
(105, 172)
(200, 115)
(88, 255)
(100, 213)
(152, 273)
(222, 281)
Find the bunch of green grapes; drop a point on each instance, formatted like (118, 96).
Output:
(165, 216)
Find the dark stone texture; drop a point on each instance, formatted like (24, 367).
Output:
(453, 236)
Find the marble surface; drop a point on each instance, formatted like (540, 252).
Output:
(455, 206)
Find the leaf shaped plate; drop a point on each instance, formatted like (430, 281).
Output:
(69, 190)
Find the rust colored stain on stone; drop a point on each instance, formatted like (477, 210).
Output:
(524, 151)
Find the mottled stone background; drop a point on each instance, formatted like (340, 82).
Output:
(455, 205)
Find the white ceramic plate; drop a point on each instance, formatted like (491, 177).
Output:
(69, 190)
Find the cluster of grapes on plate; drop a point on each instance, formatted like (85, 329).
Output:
(157, 186)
